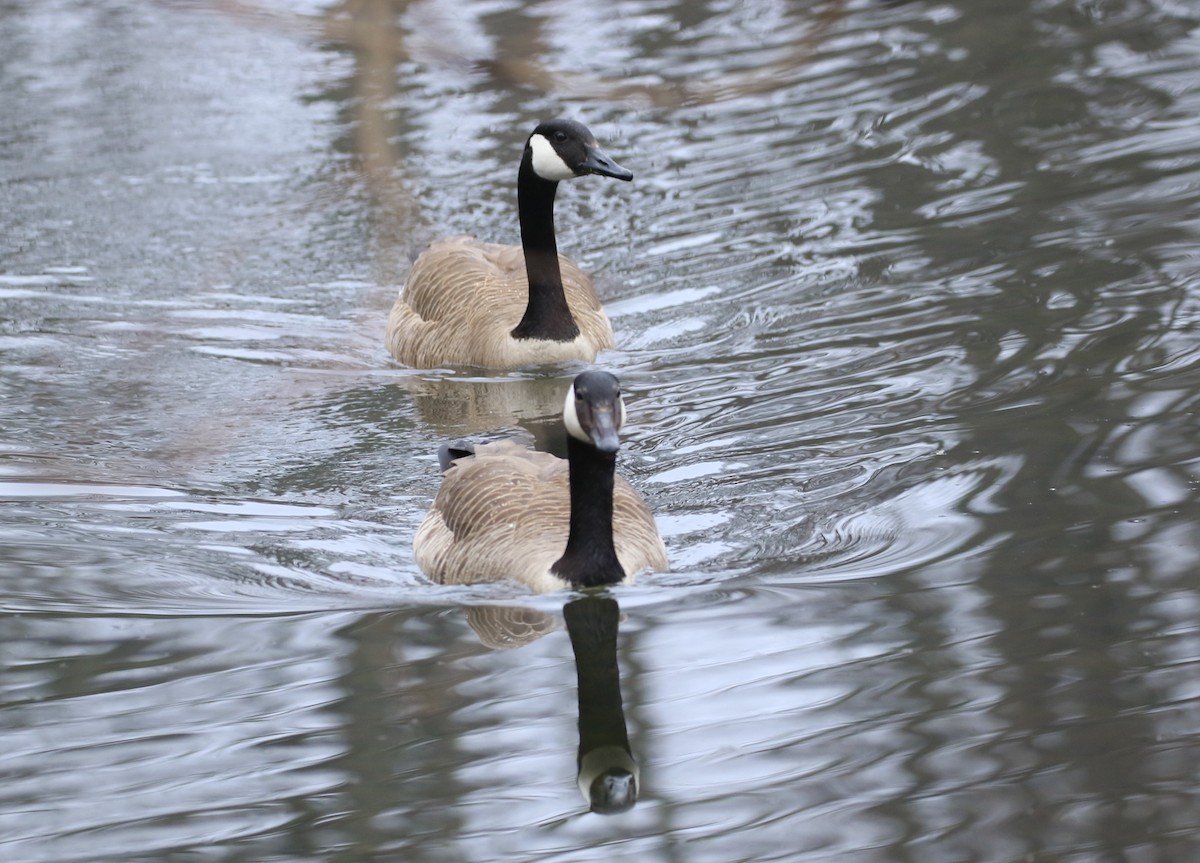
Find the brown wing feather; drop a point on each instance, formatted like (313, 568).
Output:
(505, 513)
(463, 298)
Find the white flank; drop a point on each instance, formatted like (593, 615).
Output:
(571, 419)
(547, 164)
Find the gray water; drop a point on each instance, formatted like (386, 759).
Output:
(907, 299)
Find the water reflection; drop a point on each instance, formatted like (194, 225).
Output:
(459, 406)
(505, 627)
(607, 772)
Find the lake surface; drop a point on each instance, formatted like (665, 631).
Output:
(907, 300)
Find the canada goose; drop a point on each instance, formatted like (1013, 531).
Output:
(505, 511)
(472, 303)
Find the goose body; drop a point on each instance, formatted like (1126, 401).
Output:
(463, 298)
(468, 302)
(509, 512)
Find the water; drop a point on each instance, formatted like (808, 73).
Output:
(906, 303)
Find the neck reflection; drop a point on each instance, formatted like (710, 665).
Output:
(608, 773)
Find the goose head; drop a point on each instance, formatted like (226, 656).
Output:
(594, 411)
(564, 149)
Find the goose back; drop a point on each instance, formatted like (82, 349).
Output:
(505, 513)
(463, 298)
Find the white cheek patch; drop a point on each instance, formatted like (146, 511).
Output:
(571, 418)
(620, 412)
(547, 164)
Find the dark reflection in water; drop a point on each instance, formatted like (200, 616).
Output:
(608, 772)
(417, 728)
(1072, 343)
(607, 769)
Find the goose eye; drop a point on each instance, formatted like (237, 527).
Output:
(560, 136)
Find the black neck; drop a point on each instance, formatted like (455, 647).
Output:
(547, 315)
(590, 558)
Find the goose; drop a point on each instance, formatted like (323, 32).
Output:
(472, 303)
(505, 511)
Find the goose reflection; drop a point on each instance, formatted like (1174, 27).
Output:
(607, 772)
(470, 405)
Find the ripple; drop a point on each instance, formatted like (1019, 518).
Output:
(58, 489)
